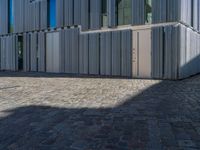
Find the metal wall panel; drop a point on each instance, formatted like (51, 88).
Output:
(41, 52)
(106, 53)
(33, 51)
(157, 52)
(94, 52)
(138, 12)
(71, 50)
(116, 53)
(3, 17)
(53, 52)
(84, 54)
(95, 14)
(77, 12)
(111, 9)
(68, 11)
(126, 53)
(60, 13)
(43, 14)
(9, 53)
(26, 52)
(84, 14)
(159, 11)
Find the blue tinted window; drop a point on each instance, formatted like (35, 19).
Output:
(52, 13)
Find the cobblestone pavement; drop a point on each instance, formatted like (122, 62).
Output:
(43, 111)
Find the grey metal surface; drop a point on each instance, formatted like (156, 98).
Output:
(84, 54)
(94, 52)
(106, 53)
(116, 53)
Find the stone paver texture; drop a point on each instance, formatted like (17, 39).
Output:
(59, 112)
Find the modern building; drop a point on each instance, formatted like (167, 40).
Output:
(130, 38)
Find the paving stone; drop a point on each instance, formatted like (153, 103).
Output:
(51, 111)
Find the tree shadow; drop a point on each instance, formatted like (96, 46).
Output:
(164, 116)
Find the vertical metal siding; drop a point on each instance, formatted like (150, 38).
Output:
(126, 53)
(84, 54)
(94, 54)
(106, 53)
(116, 53)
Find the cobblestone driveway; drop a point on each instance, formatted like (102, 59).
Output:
(46, 112)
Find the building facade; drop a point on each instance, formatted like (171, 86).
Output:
(130, 38)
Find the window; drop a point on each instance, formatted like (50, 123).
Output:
(11, 17)
(52, 13)
(123, 12)
(104, 14)
(148, 11)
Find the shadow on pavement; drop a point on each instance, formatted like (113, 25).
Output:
(164, 116)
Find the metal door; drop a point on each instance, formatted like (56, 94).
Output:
(142, 53)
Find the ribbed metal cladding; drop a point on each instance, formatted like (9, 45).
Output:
(159, 11)
(43, 14)
(138, 12)
(84, 54)
(116, 53)
(60, 13)
(8, 53)
(18, 16)
(157, 52)
(3, 17)
(33, 51)
(173, 10)
(111, 9)
(186, 11)
(26, 52)
(68, 11)
(171, 52)
(126, 53)
(94, 52)
(106, 53)
(71, 50)
(41, 52)
(84, 14)
(77, 12)
(95, 14)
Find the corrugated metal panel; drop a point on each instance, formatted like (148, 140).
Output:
(77, 12)
(157, 52)
(71, 50)
(8, 53)
(33, 50)
(84, 54)
(3, 17)
(53, 52)
(106, 53)
(159, 11)
(26, 52)
(68, 12)
(111, 13)
(43, 14)
(116, 53)
(85, 14)
(95, 14)
(41, 52)
(138, 12)
(94, 54)
(126, 53)
(60, 13)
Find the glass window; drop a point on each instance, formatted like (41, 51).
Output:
(11, 17)
(104, 14)
(148, 11)
(123, 12)
(52, 13)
